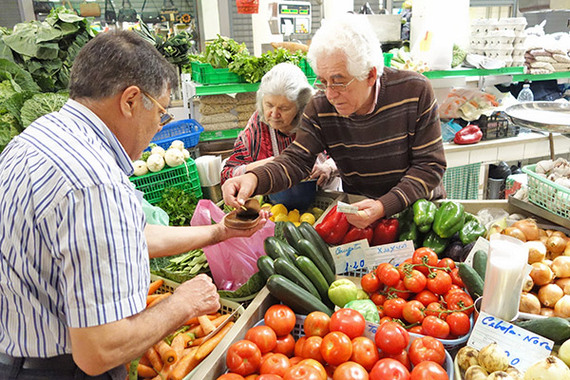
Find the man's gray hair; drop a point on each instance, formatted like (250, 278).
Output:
(287, 80)
(113, 61)
(352, 35)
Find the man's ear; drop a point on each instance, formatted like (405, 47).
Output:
(372, 74)
(129, 99)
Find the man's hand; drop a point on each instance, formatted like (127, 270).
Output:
(237, 190)
(322, 173)
(369, 211)
(202, 294)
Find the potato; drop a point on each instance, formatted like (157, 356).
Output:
(493, 358)
(467, 357)
(475, 372)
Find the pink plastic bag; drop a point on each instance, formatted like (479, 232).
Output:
(233, 261)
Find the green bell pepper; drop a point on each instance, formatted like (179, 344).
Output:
(449, 219)
(471, 231)
(424, 213)
(408, 232)
(433, 241)
(365, 307)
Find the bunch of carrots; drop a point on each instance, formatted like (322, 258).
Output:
(174, 357)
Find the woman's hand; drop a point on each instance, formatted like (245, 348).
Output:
(369, 211)
(228, 232)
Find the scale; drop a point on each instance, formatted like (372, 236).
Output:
(290, 17)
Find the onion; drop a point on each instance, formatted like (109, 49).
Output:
(567, 249)
(562, 307)
(561, 266)
(514, 232)
(514, 373)
(564, 352)
(564, 283)
(476, 372)
(556, 244)
(549, 294)
(543, 239)
(528, 228)
(558, 233)
(547, 369)
(493, 358)
(541, 274)
(467, 357)
(529, 303)
(541, 233)
(499, 375)
(528, 284)
(536, 251)
(547, 312)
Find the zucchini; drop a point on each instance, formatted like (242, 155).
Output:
(294, 296)
(290, 251)
(311, 235)
(471, 279)
(310, 270)
(292, 234)
(273, 249)
(554, 328)
(480, 263)
(265, 266)
(306, 248)
(285, 268)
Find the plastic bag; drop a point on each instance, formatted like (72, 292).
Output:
(233, 261)
(154, 215)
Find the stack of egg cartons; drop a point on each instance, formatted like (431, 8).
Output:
(501, 39)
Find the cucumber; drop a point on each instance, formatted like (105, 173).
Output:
(292, 234)
(285, 268)
(311, 235)
(273, 249)
(306, 248)
(290, 251)
(294, 296)
(480, 263)
(265, 266)
(310, 270)
(471, 279)
(555, 328)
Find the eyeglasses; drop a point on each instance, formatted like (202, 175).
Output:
(165, 117)
(338, 87)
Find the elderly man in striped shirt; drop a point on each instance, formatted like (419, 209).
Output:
(74, 244)
(380, 125)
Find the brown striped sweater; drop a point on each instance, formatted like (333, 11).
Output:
(393, 154)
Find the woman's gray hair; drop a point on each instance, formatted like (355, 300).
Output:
(113, 61)
(352, 35)
(285, 79)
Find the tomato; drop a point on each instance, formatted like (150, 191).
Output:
(394, 307)
(316, 365)
(336, 348)
(391, 337)
(312, 348)
(253, 376)
(349, 321)
(265, 356)
(370, 283)
(380, 309)
(298, 350)
(263, 336)
(364, 352)
(456, 278)
(295, 360)
(350, 371)
(459, 323)
(436, 309)
(426, 297)
(403, 357)
(446, 262)
(302, 372)
(416, 330)
(388, 368)
(389, 275)
(276, 364)
(433, 326)
(399, 290)
(285, 345)
(415, 281)
(429, 371)
(378, 298)
(243, 357)
(268, 376)
(439, 282)
(424, 255)
(427, 348)
(230, 376)
(379, 269)
(317, 323)
(460, 301)
(281, 319)
(384, 320)
(405, 267)
(413, 311)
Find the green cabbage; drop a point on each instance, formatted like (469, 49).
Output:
(40, 105)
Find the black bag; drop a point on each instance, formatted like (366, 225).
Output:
(149, 17)
(110, 14)
(42, 7)
(127, 14)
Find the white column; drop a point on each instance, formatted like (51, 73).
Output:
(337, 7)
(209, 19)
(260, 27)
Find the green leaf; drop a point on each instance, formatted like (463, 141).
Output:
(251, 287)
(6, 52)
(19, 75)
(40, 105)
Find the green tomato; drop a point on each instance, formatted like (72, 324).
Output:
(361, 295)
(342, 291)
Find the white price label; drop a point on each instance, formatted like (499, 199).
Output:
(350, 256)
(524, 348)
(393, 253)
(346, 208)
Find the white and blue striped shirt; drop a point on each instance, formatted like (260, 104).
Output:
(72, 246)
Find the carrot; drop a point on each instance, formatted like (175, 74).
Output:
(178, 344)
(154, 286)
(158, 299)
(206, 324)
(152, 297)
(144, 360)
(194, 320)
(163, 375)
(197, 342)
(154, 358)
(145, 371)
(205, 348)
(198, 331)
(184, 365)
(167, 353)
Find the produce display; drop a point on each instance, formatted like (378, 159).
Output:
(158, 158)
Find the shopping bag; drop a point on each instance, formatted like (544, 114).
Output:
(89, 9)
(233, 261)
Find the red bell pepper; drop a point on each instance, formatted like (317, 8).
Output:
(471, 134)
(386, 231)
(333, 227)
(355, 233)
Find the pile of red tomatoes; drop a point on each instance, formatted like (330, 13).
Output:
(425, 294)
(332, 348)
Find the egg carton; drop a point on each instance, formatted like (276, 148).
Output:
(499, 53)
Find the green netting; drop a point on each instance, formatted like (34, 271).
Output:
(462, 182)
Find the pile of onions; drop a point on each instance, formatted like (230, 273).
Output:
(547, 369)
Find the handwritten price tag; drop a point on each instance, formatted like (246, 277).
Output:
(350, 256)
(523, 347)
(394, 253)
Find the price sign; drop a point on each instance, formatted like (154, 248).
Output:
(523, 347)
(350, 256)
(394, 253)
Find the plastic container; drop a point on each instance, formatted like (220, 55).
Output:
(188, 131)
(547, 194)
(206, 74)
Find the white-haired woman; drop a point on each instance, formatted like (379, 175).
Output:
(281, 98)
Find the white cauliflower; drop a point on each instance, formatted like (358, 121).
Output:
(174, 157)
(158, 150)
(155, 162)
(140, 168)
(186, 154)
(177, 144)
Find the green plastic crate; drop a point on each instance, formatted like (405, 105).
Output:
(204, 73)
(462, 182)
(547, 194)
(184, 177)
(307, 69)
(388, 59)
